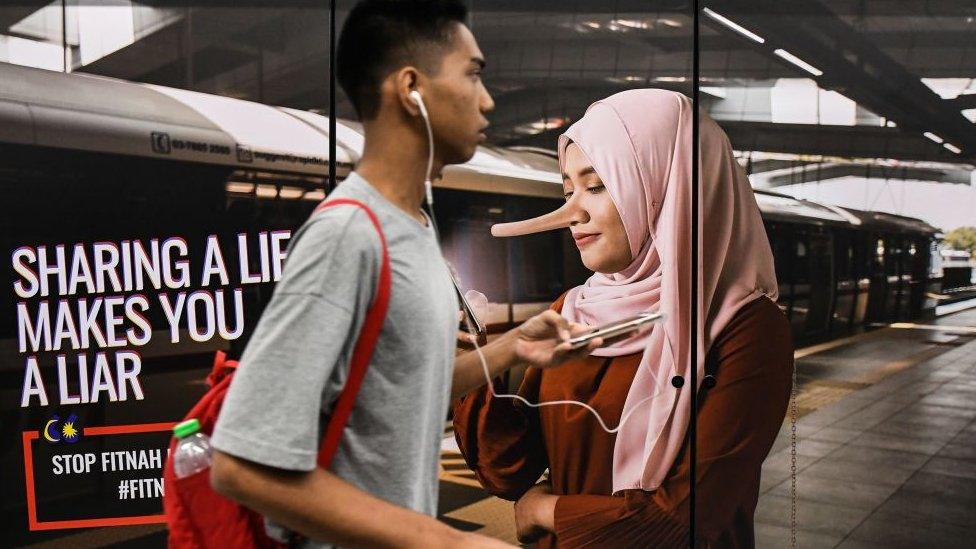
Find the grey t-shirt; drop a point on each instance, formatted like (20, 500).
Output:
(297, 360)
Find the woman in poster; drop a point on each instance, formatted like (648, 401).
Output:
(627, 178)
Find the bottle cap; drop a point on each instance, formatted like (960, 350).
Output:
(186, 428)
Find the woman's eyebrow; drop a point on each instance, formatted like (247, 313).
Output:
(585, 171)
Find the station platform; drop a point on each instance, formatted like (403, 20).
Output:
(886, 452)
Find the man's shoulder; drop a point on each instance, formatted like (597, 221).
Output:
(341, 233)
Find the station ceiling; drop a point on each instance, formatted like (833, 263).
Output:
(907, 65)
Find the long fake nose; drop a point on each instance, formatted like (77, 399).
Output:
(558, 219)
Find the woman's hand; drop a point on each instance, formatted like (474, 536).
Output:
(535, 513)
(543, 340)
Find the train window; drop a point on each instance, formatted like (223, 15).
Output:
(844, 253)
(801, 260)
(893, 249)
(935, 259)
(538, 262)
(779, 240)
(480, 261)
(525, 273)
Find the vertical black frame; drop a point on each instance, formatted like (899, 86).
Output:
(695, 204)
(331, 183)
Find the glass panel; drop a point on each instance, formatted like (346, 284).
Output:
(854, 122)
(546, 63)
(145, 220)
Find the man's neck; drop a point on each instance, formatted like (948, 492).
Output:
(395, 166)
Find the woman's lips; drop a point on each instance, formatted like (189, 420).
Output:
(584, 239)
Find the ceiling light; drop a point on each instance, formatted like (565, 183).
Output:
(548, 124)
(734, 26)
(541, 125)
(933, 137)
(952, 147)
(631, 23)
(670, 79)
(671, 23)
(798, 62)
(629, 79)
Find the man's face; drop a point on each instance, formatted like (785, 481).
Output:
(457, 101)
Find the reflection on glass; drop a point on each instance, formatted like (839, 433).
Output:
(138, 179)
(274, 55)
(860, 115)
(545, 65)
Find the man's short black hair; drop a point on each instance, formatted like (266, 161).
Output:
(381, 36)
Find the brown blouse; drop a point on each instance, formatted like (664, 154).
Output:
(509, 445)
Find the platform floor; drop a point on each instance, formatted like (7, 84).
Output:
(886, 452)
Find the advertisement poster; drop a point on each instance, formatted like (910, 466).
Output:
(120, 286)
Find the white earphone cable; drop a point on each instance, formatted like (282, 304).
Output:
(587, 407)
(428, 186)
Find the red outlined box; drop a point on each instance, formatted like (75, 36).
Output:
(34, 524)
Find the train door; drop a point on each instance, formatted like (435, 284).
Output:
(918, 254)
(862, 246)
(893, 269)
(821, 276)
(845, 283)
(878, 289)
(780, 240)
(800, 271)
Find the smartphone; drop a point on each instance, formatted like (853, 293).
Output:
(616, 330)
(479, 328)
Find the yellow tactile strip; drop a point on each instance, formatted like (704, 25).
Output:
(819, 393)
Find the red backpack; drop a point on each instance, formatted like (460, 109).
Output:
(199, 517)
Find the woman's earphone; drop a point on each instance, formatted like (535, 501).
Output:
(419, 101)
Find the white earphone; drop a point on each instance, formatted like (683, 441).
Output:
(419, 101)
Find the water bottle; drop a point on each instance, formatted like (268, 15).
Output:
(193, 453)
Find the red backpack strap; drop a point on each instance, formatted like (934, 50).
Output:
(365, 344)
(222, 366)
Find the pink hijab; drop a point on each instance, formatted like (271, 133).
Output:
(639, 143)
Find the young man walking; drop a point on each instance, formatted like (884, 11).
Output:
(381, 490)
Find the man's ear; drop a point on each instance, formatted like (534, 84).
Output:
(406, 80)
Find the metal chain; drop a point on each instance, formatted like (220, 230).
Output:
(793, 415)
